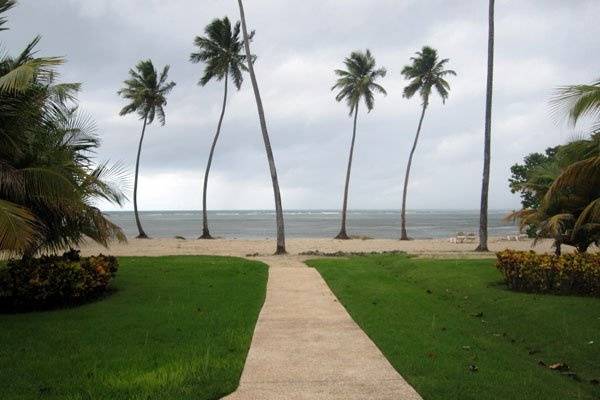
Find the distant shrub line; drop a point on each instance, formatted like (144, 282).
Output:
(54, 281)
(544, 273)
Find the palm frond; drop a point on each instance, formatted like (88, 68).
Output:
(584, 173)
(590, 215)
(524, 217)
(5, 5)
(101, 229)
(19, 78)
(18, 227)
(64, 92)
(577, 101)
(109, 182)
(558, 224)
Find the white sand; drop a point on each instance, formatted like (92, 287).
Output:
(244, 247)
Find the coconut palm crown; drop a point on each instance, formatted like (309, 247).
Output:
(147, 92)
(358, 81)
(222, 51)
(425, 73)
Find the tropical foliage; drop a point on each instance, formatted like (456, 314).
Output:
(564, 189)
(533, 177)
(221, 52)
(357, 82)
(565, 274)
(146, 92)
(54, 281)
(49, 181)
(425, 73)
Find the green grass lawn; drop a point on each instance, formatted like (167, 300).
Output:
(433, 319)
(174, 328)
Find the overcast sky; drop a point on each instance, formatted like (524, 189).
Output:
(540, 44)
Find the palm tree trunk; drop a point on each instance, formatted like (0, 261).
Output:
(485, 182)
(343, 234)
(141, 233)
(265, 134)
(205, 231)
(403, 235)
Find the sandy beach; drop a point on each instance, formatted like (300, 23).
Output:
(264, 247)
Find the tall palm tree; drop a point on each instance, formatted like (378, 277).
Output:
(147, 93)
(425, 72)
(221, 50)
(263, 125)
(354, 84)
(485, 182)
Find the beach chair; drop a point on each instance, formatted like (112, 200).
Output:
(460, 237)
(471, 238)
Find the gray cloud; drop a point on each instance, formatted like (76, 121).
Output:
(540, 44)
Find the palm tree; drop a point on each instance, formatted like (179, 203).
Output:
(569, 210)
(485, 182)
(356, 83)
(425, 73)
(147, 92)
(265, 134)
(49, 181)
(221, 51)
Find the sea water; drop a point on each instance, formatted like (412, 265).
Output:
(260, 224)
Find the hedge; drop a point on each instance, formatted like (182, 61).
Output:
(546, 273)
(51, 281)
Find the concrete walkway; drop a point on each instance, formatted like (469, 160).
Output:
(306, 346)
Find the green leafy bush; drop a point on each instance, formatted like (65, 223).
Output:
(545, 273)
(51, 281)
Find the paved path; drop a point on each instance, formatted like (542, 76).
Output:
(306, 346)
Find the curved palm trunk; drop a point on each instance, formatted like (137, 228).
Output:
(403, 235)
(205, 231)
(557, 247)
(485, 182)
(141, 233)
(343, 234)
(265, 134)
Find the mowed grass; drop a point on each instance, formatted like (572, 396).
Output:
(454, 332)
(174, 328)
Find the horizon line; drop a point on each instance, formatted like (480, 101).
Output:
(315, 209)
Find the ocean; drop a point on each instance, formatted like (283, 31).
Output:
(260, 224)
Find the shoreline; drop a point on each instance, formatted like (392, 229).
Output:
(297, 247)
